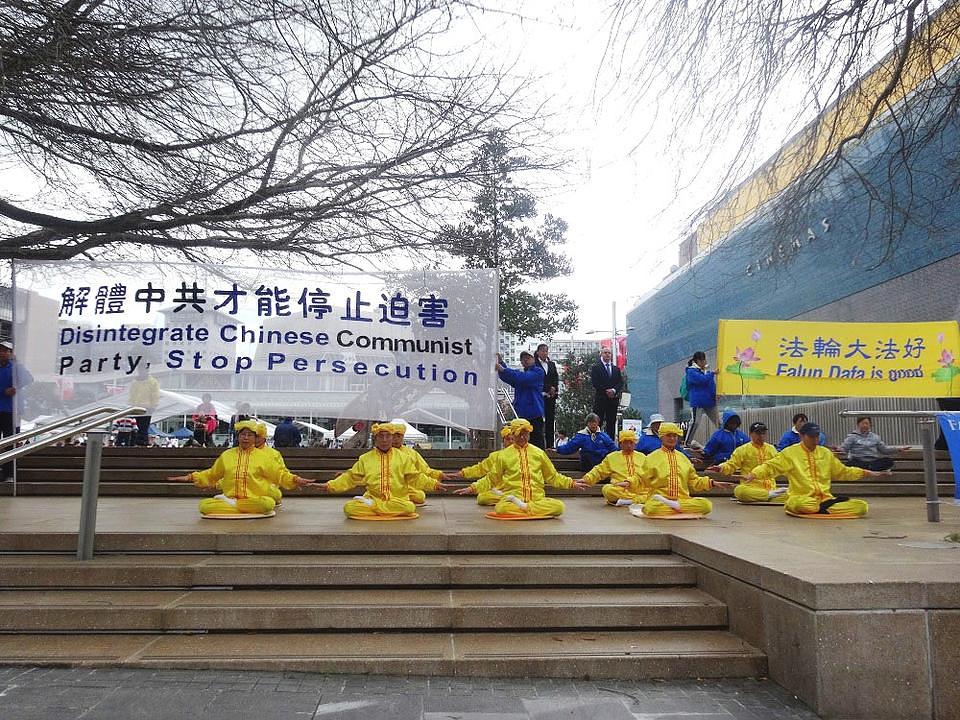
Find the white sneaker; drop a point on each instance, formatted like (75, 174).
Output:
(227, 500)
(776, 493)
(517, 501)
(668, 502)
(365, 500)
(622, 502)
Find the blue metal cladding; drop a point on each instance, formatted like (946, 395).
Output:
(860, 242)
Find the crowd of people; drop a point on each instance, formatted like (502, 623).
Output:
(394, 479)
(653, 470)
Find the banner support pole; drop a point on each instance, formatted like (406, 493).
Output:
(928, 438)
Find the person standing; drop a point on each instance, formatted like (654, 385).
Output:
(551, 387)
(702, 390)
(287, 435)
(528, 393)
(205, 421)
(13, 377)
(607, 381)
(144, 392)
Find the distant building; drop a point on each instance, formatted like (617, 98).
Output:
(840, 265)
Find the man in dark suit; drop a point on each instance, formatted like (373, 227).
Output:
(607, 381)
(551, 385)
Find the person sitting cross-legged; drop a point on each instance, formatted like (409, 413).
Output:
(387, 475)
(592, 442)
(428, 478)
(866, 450)
(744, 459)
(625, 470)
(524, 469)
(724, 441)
(671, 476)
(487, 484)
(245, 476)
(809, 468)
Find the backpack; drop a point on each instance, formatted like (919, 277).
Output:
(684, 393)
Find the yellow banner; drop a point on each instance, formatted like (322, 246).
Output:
(785, 357)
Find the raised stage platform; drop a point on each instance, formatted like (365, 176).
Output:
(861, 619)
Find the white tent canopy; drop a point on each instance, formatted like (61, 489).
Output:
(328, 434)
(411, 434)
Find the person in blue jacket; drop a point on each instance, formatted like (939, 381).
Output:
(594, 444)
(701, 390)
(649, 439)
(724, 441)
(792, 436)
(527, 385)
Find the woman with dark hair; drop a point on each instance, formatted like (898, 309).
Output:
(702, 391)
(865, 449)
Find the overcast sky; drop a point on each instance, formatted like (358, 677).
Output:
(619, 194)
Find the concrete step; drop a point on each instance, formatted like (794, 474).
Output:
(343, 571)
(349, 610)
(629, 654)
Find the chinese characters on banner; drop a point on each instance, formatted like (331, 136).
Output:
(346, 345)
(774, 357)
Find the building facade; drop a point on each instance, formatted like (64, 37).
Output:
(853, 256)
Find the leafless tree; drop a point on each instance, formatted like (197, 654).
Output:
(881, 73)
(330, 129)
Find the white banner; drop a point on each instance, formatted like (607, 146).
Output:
(418, 345)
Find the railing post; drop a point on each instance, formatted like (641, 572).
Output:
(928, 438)
(91, 490)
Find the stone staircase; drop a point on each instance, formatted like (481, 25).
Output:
(143, 471)
(486, 605)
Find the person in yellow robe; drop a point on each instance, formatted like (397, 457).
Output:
(244, 475)
(429, 479)
(625, 469)
(671, 476)
(487, 485)
(810, 468)
(387, 475)
(743, 460)
(275, 456)
(524, 469)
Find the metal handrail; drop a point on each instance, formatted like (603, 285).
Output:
(91, 467)
(926, 419)
(113, 414)
(42, 429)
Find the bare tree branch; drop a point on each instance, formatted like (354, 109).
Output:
(330, 129)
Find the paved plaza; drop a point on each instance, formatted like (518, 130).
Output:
(128, 694)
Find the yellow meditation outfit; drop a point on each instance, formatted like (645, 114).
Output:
(809, 473)
(743, 460)
(523, 472)
(245, 478)
(428, 477)
(671, 474)
(387, 477)
(282, 471)
(620, 467)
(488, 485)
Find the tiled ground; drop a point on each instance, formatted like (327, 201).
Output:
(107, 694)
